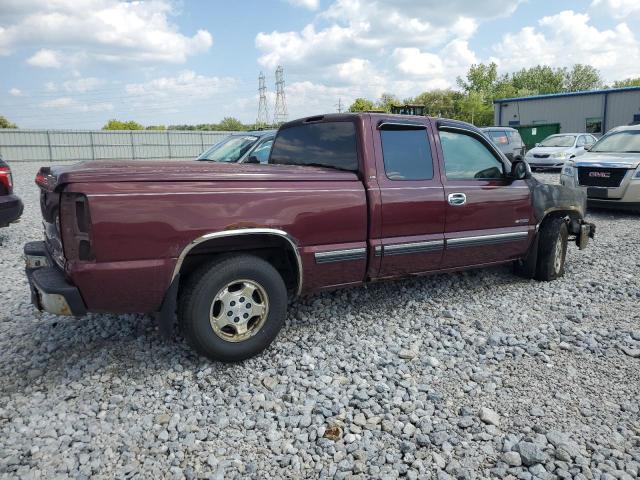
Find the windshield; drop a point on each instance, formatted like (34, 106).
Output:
(559, 141)
(621, 142)
(230, 149)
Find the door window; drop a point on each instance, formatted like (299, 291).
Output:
(466, 158)
(582, 141)
(406, 154)
(515, 137)
(262, 152)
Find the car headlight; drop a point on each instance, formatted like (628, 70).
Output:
(568, 170)
(558, 155)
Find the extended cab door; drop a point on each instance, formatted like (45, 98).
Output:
(411, 236)
(488, 215)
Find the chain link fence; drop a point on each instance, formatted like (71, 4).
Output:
(77, 145)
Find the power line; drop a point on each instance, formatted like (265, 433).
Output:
(263, 110)
(280, 115)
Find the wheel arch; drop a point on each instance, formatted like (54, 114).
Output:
(267, 241)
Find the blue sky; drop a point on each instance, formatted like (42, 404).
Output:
(77, 63)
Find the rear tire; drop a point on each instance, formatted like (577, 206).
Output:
(232, 308)
(552, 251)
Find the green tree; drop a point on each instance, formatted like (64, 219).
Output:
(440, 103)
(628, 82)
(582, 77)
(231, 124)
(386, 101)
(120, 125)
(4, 123)
(538, 80)
(361, 105)
(155, 127)
(480, 78)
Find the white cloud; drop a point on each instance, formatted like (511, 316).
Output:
(46, 58)
(82, 85)
(16, 92)
(310, 4)
(618, 9)
(415, 62)
(568, 38)
(400, 46)
(101, 30)
(187, 84)
(71, 104)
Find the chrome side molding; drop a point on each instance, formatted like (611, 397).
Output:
(341, 255)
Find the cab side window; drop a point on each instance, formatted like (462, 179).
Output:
(582, 141)
(467, 158)
(406, 154)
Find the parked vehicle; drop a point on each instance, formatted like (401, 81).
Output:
(508, 140)
(347, 199)
(245, 147)
(554, 150)
(610, 171)
(10, 205)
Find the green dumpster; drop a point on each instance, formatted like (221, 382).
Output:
(532, 134)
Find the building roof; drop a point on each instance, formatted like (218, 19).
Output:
(568, 94)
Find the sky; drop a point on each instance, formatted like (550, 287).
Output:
(77, 63)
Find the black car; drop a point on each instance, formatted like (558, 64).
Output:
(10, 205)
(508, 140)
(245, 147)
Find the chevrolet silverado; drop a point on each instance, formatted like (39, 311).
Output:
(344, 199)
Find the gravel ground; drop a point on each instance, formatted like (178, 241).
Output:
(472, 375)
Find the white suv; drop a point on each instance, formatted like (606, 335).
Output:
(609, 171)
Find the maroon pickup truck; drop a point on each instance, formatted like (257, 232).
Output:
(345, 199)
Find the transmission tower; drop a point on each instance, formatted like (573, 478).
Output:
(339, 105)
(280, 114)
(263, 109)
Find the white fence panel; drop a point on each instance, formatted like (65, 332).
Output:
(79, 145)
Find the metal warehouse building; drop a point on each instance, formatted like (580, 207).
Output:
(595, 111)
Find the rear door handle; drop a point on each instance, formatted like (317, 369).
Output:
(457, 199)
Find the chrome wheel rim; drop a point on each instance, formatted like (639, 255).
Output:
(557, 260)
(239, 310)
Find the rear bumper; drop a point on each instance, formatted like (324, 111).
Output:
(10, 209)
(50, 290)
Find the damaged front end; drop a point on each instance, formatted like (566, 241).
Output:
(560, 200)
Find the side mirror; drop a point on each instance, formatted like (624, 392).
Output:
(537, 144)
(520, 170)
(588, 147)
(252, 159)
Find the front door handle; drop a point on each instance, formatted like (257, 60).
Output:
(457, 199)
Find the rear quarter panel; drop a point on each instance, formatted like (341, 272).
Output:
(140, 229)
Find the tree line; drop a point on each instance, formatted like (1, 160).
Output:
(471, 102)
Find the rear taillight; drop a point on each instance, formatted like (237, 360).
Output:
(75, 227)
(6, 182)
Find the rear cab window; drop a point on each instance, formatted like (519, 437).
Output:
(330, 144)
(499, 137)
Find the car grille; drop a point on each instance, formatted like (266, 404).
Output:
(540, 155)
(601, 177)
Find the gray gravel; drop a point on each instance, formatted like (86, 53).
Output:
(472, 375)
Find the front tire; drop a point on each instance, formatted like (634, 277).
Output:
(552, 252)
(232, 308)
